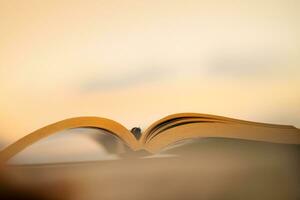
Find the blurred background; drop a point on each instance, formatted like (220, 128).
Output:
(137, 61)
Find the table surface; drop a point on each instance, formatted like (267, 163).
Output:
(214, 172)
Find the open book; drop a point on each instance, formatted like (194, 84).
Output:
(167, 131)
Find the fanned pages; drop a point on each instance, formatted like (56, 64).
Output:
(183, 126)
(79, 122)
(167, 131)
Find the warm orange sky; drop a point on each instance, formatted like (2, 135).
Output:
(136, 61)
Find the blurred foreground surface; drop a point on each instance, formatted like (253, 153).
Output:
(216, 169)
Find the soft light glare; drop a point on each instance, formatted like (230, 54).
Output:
(135, 62)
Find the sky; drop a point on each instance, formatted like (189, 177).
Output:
(138, 61)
